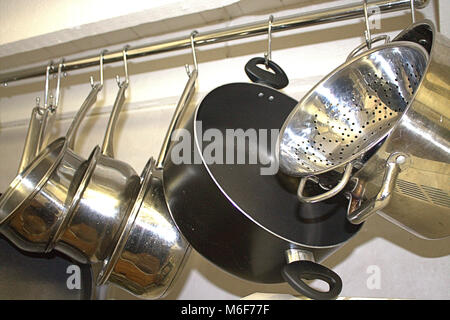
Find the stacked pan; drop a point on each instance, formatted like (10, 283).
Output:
(96, 210)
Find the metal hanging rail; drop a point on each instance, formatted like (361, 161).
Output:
(238, 32)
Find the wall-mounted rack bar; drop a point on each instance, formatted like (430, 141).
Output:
(238, 32)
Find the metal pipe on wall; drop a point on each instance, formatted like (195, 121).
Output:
(340, 13)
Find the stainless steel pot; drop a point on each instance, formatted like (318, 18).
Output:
(41, 122)
(103, 201)
(408, 177)
(36, 202)
(151, 251)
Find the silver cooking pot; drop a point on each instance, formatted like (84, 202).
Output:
(102, 202)
(151, 251)
(34, 206)
(408, 176)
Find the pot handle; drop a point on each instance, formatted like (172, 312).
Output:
(87, 104)
(108, 139)
(383, 197)
(31, 146)
(294, 272)
(276, 79)
(182, 104)
(328, 194)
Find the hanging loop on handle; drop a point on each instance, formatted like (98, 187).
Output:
(301, 266)
(330, 193)
(87, 104)
(184, 100)
(108, 140)
(268, 54)
(273, 75)
(294, 273)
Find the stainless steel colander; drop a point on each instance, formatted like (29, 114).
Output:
(349, 112)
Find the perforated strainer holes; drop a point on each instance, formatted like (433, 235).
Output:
(354, 109)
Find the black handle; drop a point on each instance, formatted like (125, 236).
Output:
(294, 272)
(276, 79)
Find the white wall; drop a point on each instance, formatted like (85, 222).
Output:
(410, 267)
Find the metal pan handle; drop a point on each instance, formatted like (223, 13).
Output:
(107, 146)
(184, 100)
(330, 193)
(87, 104)
(31, 146)
(186, 96)
(381, 200)
(108, 139)
(47, 125)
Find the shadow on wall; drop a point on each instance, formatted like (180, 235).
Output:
(375, 227)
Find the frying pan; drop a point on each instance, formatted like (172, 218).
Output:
(26, 276)
(249, 224)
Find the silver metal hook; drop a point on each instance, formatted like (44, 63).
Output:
(91, 78)
(47, 83)
(58, 83)
(367, 34)
(413, 13)
(125, 63)
(268, 54)
(194, 55)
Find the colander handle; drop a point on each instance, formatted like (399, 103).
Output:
(381, 200)
(330, 193)
(385, 37)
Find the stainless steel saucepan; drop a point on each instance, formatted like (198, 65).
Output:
(36, 202)
(103, 201)
(151, 251)
(41, 122)
(408, 177)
